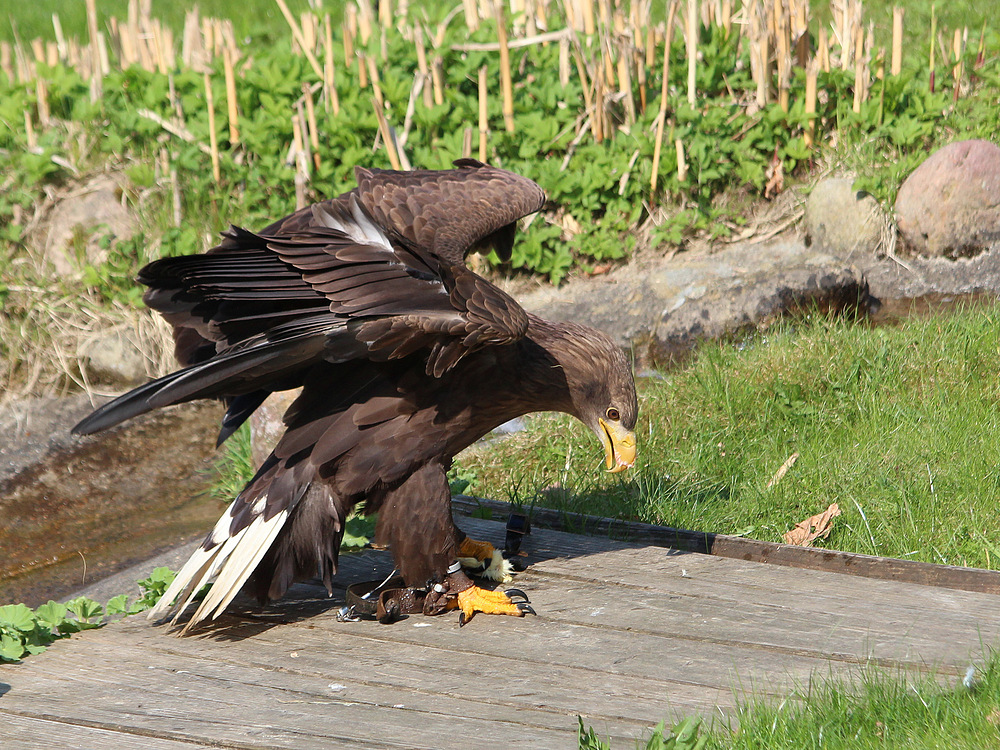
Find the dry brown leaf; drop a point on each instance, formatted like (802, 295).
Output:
(775, 177)
(812, 528)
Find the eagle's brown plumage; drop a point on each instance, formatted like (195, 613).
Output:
(404, 356)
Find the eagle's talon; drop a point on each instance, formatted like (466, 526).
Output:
(511, 593)
(475, 599)
(525, 608)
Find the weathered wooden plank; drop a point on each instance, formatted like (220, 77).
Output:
(191, 697)
(544, 669)
(824, 615)
(29, 733)
(658, 570)
(752, 550)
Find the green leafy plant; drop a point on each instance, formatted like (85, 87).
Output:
(683, 736)
(24, 631)
(152, 588)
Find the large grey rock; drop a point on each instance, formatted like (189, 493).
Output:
(78, 221)
(950, 205)
(662, 311)
(845, 222)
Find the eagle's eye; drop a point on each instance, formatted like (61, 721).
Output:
(612, 413)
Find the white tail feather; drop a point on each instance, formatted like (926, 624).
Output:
(231, 560)
(240, 563)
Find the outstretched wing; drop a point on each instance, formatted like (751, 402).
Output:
(445, 213)
(344, 287)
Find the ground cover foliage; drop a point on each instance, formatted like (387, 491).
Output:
(26, 632)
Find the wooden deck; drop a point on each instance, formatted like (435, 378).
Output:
(627, 634)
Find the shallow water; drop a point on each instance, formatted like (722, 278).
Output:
(111, 501)
(895, 311)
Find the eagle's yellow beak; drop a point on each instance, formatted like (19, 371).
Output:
(619, 446)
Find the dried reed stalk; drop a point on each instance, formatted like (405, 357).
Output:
(692, 49)
(350, 30)
(6, 56)
(366, 19)
(812, 74)
(958, 48)
(42, 98)
(307, 95)
(60, 38)
(664, 90)
(303, 140)
(331, 101)
(564, 62)
(483, 118)
(933, 38)
(96, 83)
(589, 25)
(362, 69)
(213, 141)
(471, 15)
(301, 176)
(424, 72)
(981, 50)
(232, 109)
(29, 132)
(581, 70)
(297, 35)
(625, 84)
(387, 139)
(376, 84)
(505, 77)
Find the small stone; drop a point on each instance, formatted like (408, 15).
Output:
(113, 358)
(950, 205)
(843, 221)
(80, 220)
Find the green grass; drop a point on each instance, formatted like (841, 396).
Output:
(898, 425)
(875, 709)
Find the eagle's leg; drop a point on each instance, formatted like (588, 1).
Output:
(482, 559)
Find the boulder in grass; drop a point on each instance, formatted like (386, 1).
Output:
(950, 205)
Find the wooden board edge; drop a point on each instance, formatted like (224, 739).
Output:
(742, 548)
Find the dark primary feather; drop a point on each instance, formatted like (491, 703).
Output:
(403, 355)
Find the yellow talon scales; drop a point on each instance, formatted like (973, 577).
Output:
(484, 560)
(475, 599)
